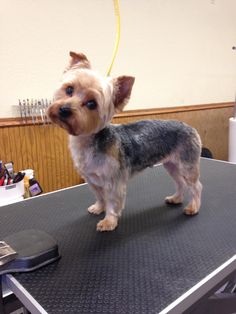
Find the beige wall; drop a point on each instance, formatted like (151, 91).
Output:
(180, 51)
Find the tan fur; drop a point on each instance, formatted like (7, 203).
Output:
(113, 151)
(77, 60)
(87, 87)
(109, 223)
(122, 90)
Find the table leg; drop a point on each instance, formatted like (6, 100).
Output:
(1, 296)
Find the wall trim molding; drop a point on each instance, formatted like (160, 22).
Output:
(164, 110)
(17, 121)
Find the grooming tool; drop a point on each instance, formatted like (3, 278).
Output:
(2, 180)
(35, 111)
(45, 110)
(32, 110)
(2, 173)
(6, 179)
(21, 109)
(48, 103)
(41, 110)
(9, 169)
(18, 177)
(28, 108)
(25, 111)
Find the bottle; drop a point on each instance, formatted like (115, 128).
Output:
(34, 187)
(26, 185)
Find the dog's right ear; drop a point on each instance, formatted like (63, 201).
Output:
(122, 90)
(78, 60)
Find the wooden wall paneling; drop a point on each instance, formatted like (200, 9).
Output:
(17, 146)
(46, 146)
(52, 156)
(43, 149)
(5, 145)
(212, 126)
(58, 161)
(35, 155)
(11, 143)
(42, 171)
(61, 163)
(24, 148)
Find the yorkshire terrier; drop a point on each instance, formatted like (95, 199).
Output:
(107, 155)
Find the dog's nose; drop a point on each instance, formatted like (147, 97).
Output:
(65, 111)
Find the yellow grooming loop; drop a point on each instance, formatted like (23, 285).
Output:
(117, 15)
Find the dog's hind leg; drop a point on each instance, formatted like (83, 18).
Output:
(195, 188)
(174, 171)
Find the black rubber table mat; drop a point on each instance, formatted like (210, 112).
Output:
(153, 257)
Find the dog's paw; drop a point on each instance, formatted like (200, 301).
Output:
(95, 209)
(107, 224)
(173, 199)
(191, 210)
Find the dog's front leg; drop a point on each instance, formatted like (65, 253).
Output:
(99, 206)
(115, 201)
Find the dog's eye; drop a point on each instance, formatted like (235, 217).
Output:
(91, 104)
(69, 90)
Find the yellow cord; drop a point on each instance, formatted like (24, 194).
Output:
(117, 14)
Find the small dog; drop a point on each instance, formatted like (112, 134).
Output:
(107, 155)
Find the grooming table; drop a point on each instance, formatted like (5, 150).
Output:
(157, 260)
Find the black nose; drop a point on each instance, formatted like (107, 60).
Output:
(65, 111)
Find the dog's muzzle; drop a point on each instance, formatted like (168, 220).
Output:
(65, 111)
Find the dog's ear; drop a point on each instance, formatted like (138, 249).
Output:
(122, 90)
(78, 60)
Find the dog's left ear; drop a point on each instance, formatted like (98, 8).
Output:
(78, 60)
(122, 90)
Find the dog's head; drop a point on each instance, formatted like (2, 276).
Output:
(85, 102)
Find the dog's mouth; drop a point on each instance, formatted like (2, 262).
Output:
(63, 121)
(67, 126)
